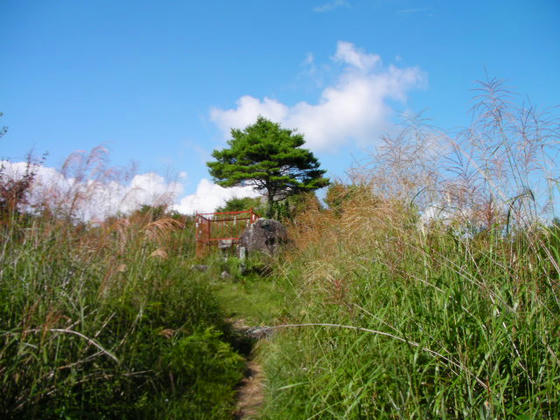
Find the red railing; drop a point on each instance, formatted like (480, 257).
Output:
(222, 226)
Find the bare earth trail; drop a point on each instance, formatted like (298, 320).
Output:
(250, 394)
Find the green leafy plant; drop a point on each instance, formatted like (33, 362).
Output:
(271, 159)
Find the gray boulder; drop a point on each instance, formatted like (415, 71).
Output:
(265, 235)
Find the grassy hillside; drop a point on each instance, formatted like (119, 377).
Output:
(110, 321)
(388, 321)
(429, 288)
(373, 317)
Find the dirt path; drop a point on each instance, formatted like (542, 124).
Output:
(250, 394)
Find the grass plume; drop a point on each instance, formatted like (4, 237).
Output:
(399, 315)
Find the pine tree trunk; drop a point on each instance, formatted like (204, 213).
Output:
(270, 203)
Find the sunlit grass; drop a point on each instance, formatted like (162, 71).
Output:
(442, 328)
(110, 320)
(398, 316)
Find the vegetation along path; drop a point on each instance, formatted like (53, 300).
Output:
(253, 302)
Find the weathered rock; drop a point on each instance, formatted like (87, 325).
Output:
(199, 267)
(265, 235)
(225, 275)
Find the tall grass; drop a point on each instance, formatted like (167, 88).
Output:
(109, 321)
(402, 316)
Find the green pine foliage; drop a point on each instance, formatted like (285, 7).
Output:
(270, 158)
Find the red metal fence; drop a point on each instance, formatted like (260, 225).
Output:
(223, 226)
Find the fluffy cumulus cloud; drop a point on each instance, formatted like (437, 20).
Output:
(209, 196)
(96, 200)
(356, 108)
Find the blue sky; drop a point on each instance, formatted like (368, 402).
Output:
(160, 83)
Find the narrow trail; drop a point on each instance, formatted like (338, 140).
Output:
(250, 394)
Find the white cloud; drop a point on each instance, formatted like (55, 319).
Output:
(347, 53)
(331, 5)
(355, 108)
(91, 199)
(247, 110)
(210, 196)
(95, 200)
